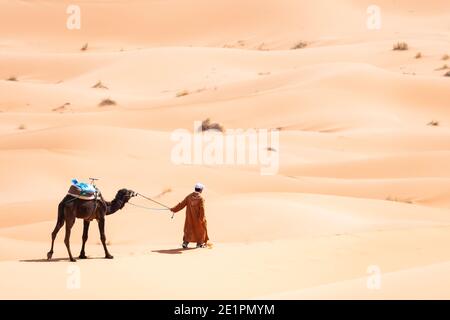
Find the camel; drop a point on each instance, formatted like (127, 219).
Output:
(71, 208)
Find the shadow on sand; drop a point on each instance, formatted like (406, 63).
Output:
(45, 260)
(173, 251)
(166, 251)
(60, 259)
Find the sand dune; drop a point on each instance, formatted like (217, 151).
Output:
(363, 176)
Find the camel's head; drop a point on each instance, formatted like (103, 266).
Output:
(124, 195)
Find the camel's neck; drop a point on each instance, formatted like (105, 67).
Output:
(114, 206)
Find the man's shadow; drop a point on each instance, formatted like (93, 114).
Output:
(173, 251)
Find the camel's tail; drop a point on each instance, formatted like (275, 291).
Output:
(60, 214)
(61, 206)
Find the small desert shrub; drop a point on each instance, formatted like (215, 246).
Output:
(262, 47)
(207, 125)
(182, 93)
(166, 190)
(400, 46)
(447, 74)
(84, 47)
(271, 149)
(12, 78)
(299, 45)
(22, 127)
(418, 55)
(444, 67)
(99, 85)
(389, 198)
(433, 123)
(61, 108)
(107, 102)
(445, 57)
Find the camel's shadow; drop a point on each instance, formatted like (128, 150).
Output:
(163, 251)
(59, 259)
(173, 251)
(45, 260)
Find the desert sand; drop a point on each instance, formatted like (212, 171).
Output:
(364, 152)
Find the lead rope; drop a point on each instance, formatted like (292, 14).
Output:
(148, 208)
(143, 207)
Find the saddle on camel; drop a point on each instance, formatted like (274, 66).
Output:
(85, 201)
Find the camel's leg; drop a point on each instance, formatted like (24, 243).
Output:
(69, 224)
(85, 237)
(59, 224)
(101, 227)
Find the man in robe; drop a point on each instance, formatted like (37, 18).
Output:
(195, 223)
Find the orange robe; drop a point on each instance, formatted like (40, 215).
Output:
(195, 223)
